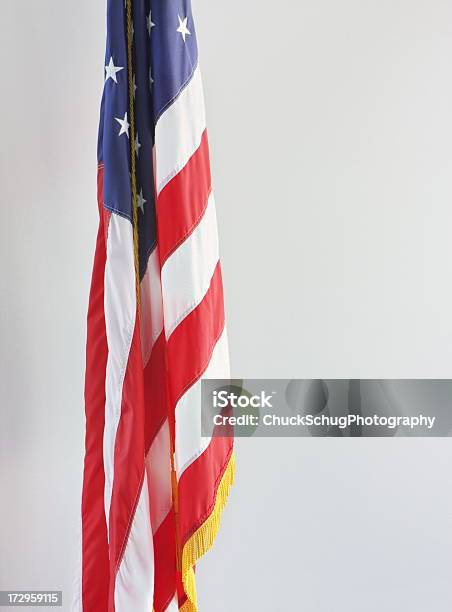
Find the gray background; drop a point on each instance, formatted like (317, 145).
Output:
(331, 130)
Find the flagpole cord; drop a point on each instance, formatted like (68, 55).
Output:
(133, 178)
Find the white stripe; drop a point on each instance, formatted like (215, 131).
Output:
(151, 309)
(120, 310)
(158, 470)
(134, 586)
(174, 606)
(186, 275)
(179, 130)
(189, 442)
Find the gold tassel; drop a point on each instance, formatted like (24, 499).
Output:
(202, 540)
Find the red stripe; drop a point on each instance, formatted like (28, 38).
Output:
(191, 344)
(198, 486)
(156, 407)
(182, 202)
(165, 566)
(95, 560)
(155, 396)
(128, 458)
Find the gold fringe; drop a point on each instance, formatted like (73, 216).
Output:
(202, 540)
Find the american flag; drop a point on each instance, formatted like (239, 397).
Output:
(153, 487)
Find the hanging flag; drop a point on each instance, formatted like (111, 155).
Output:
(153, 488)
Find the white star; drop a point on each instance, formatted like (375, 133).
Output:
(137, 145)
(141, 201)
(125, 125)
(150, 23)
(183, 27)
(111, 71)
(134, 86)
(151, 80)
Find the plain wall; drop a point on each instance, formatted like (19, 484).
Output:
(331, 137)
